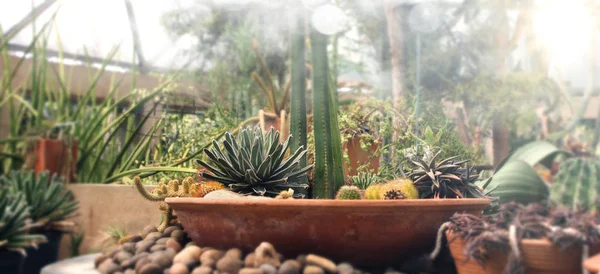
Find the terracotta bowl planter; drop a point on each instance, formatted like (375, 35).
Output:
(365, 232)
(539, 255)
(51, 155)
(359, 157)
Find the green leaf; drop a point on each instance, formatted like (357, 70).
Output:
(535, 152)
(516, 181)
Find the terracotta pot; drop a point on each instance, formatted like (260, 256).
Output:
(364, 232)
(279, 123)
(592, 264)
(51, 155)
(359, 157)
(539, 256)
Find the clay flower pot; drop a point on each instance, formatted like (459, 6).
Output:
(52, 155)
(359, 157)
(539, 256)
(364, 232)
(279, 123)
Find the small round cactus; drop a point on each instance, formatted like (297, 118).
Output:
(402, 188)
(348, 193)
(201, 189)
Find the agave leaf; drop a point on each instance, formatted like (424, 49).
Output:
(265, 167)
(432, 161)
(450, 176)
(220, 179)
(210, 168)
(260, 190)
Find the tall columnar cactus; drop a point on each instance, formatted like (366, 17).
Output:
(329, 166)
(298, 82)
(172, 189)
(577, 184)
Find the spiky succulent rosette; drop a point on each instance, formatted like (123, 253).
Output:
(445, 179)
(256, 164)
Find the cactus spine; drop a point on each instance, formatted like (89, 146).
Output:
(348, 193)
(172, 189)
(577, 184)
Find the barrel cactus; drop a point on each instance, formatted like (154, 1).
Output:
(577, 184)
(348, 193)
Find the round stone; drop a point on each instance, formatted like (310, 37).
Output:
(290, 267)
(172, 243)
(151, 269)
(148, 229)
(179, 269)
(229, 265)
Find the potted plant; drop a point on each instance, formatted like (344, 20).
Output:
(51, 205)
(53, 150)
(14, 232)
(522, 239)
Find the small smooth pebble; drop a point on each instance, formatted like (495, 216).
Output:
(345, 268)
(172, 243)
(179, 269)
(167, 232)
(249, 261)
(178, 235)
(144, 247)
(234, 253)
(153, 236)
(392, 271)
(268, 269)
(311, 269)
(99, 259)
(191, 264)
(135, 238)
(162, 241)
(170, 252)
(212, 254)
(322, 262)
(141, 263)
(128, 247)
(157, 248)
(188, 253)
(162, 260)
(108, 267)
(202, 270)
(151, 269)
(301, 259)
(148, 229)
(229, 265)
(209, 263)
(290, 267)
(122, 256)
(250, 271)
(265, 254)
(129, 271)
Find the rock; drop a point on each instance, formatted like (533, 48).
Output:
(111, 251)
(268, 269)
(229, 265)
(167, 232)
(392, 271)
(190, 243)
(250, 271)
(179, 269)
(108, 266)
(99, 259)
(161, 259)
(128, 247)
(148, 229)
(135, 238)
(290, 267)
(213, 254)
(178, 235)
(209, 263)
(162, 241)
(322, 262)
(131, 262)
(144, 247)
(121, 256)
(141, 263)
(172, 243)
(311, 269)
(151, 269)
(191, 264)
(345, 268)
(129, 271)
(157, 247)
(202, 270)
(188, 253)
(234, 253)
(265, 254)
(170, 252)
(301, 259)
(153, 236)
(249, 261)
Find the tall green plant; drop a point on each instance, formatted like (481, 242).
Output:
(329, 171)
(298, 124)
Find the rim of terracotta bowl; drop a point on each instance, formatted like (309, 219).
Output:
(418, 203)
(531, 242)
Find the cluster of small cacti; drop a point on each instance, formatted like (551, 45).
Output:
(577, 184)
(173, 188)
(393, 190)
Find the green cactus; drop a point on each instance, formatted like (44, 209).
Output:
(364, 179)
(348, 193)
(577, 184)
(171, 189)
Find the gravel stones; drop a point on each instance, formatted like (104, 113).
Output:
(290, 267)
(322, 262)
(229, 265)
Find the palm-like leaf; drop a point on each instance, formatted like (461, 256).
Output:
(253, 163)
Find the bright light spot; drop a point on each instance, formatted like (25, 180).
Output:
(564, 28)
(311, 4)
(329, 19)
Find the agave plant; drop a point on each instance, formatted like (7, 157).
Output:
(364, 179)
(50, 203)
(14, 225)
(445, 179)
(253, 163)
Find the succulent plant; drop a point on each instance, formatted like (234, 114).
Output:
(445, 179)
(50, 203)
(173, 188)
(364, 179)
(256, 164)
(402, 188)
(14, 223)
(577, 184)
(348, 193)
(201, 189)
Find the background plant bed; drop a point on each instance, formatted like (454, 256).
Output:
(364, 232)
(539, 256)
(105, 206)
